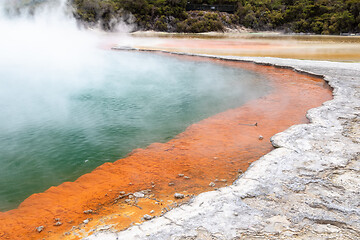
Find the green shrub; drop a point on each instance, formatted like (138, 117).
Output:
(315, 16)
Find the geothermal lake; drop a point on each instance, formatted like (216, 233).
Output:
(61, 119)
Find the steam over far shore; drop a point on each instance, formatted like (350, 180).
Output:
(67, 106)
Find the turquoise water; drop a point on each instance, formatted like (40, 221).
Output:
(57, 123)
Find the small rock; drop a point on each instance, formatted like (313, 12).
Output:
(147, 217)
(130, 184)
(223, 180)
(215, 158)
(216, 180)
(122, 192)
(152, 211)
(186, 177)
(86, 221)
(139, 195)
(40, 229)
(180, 175)
(171, 184)
(212, 184)
(58, 224)
(179, 195)
(88, 211)
(127, 200)
(56, 219)
(236, 214)
(261, 137)
(131, 196)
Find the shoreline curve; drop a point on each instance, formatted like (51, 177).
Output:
(307, 188)
(111, 193)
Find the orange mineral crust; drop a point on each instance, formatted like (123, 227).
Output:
(207, 155)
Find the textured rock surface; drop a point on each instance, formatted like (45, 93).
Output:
(307, 188)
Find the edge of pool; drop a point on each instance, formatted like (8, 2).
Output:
(307, 188)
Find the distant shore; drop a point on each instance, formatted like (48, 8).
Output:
(259, 44)
(248, 33)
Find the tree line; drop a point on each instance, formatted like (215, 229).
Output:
(299, 16)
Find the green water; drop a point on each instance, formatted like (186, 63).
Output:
(57, 123)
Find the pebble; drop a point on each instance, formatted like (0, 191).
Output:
(147, 217)
(139, 195)
(152, 211)
(186, 177)
(88, 211)
(40, 228)
(179, 195)
(58, 224)
(86, 221)
(180, 175)
(122, 192)
(261, 137)
(56, 219)
(171, 184)
(127, 200)
(212, 184)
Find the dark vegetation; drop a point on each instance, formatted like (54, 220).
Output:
(306, 16)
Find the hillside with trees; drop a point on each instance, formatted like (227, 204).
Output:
(300, 16)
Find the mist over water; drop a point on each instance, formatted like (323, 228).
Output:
(67, 106)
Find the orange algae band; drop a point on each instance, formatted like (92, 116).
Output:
(207, 155)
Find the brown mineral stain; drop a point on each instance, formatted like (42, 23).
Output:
(214, 150)
(342, 49)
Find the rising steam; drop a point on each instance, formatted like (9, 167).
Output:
(43, 56)
(67, 106)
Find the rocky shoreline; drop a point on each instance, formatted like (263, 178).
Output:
(307, 188)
